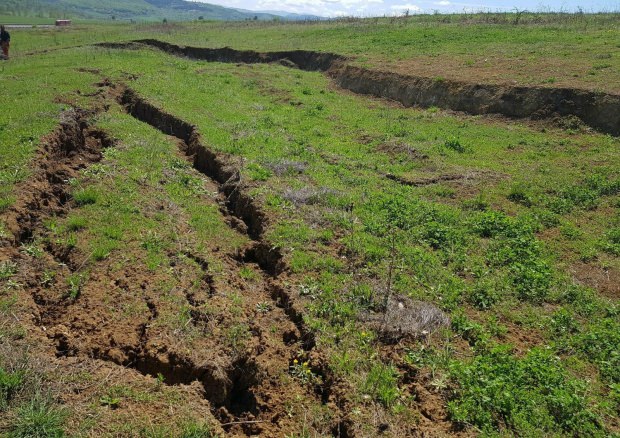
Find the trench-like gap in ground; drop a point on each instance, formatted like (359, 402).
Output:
(238, 202)
(242, 206)
(598, 110)
(71, 148)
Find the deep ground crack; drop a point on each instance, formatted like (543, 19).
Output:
(241, 205)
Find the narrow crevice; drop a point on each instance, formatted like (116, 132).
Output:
(424, 181)
(72, 147)
(598, 110)
(207, 279)
(240, 205)
(283, 299)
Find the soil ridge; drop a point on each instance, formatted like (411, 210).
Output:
(598, 110)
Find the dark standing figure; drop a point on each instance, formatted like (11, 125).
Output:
(5, 42)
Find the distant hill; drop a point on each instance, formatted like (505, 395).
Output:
(140, 10)
(289, 15)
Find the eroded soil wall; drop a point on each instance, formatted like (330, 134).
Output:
(598, 110)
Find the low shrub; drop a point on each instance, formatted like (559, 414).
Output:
(531, 396)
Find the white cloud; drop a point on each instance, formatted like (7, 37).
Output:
(332, 8)
(408, 7)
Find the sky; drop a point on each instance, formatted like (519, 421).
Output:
(333, 8)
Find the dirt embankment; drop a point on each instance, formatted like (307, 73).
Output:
(244, 214)
(598, 110)
(70, 148)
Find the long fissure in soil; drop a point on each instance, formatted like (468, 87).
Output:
(71, 148)
(240, 205)
(598, 110)
(68, 321)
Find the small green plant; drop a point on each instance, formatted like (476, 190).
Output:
(382, 384)
(3, 231)
(9, 385)
(196, 430)
(309, 290)
(76, 223)
(38, 418)
(32, 250)
(247, 273)
(109, 401)
(520, 194)
(263, 307)
(599, 343)
(86, 196)
(483, 295)
(301, 370)
(74, 282)
(237, 336)
(454, 144)
(7, 269)
(47, 278)
(570, 232)
(160, 379)
(563, 323)
(611, 242)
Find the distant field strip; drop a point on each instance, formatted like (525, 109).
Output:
(598, 110)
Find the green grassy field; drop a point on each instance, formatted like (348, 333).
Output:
(10, 19)
(441, 273)
(556, 50)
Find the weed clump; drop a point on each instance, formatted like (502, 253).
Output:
(611, 242)
(454, 144)
(39, 418)
(307, 195)
(382, 384)
(601, 344)
(531, 396)
(287, 167)
(10, 382)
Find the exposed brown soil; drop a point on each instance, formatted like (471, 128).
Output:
(245, 388)
(296, 340)
(605, 281)
(69, 149)
(598, 110)
(394, 148)
(302, 59)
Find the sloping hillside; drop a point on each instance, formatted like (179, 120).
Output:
(126, 9)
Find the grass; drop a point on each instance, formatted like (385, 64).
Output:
(530, 396)
(442, 249)
(39, 418)
(532, 347)
(13, 19)
(10, 382)
(571, 49)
